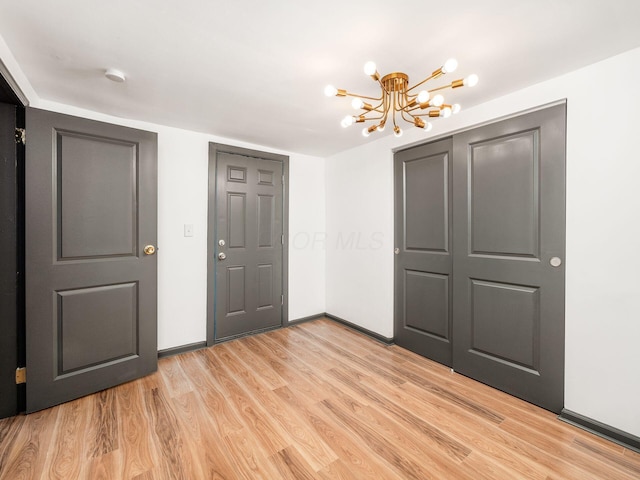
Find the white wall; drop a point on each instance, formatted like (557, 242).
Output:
(306, 237)
(602, 365)
(182, 198)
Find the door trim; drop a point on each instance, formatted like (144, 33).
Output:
(451, 133)
(214, 149)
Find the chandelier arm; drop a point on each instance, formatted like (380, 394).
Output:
(355, 95)
(366, 119)
(443, 87)
(430, 77)
(403, 112)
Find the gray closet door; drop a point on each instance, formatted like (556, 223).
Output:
(90, 288)
(508, 255)
(423, 256)
(249, 243)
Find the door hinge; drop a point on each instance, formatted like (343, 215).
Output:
(283, 180)
(21, 136)
(21, 375)
(281, 299)
(282, 239)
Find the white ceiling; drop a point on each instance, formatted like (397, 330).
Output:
(255, 70)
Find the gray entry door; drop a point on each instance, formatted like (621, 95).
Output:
(508, 255)
(423, 259)
(247, 242)
(90, 287)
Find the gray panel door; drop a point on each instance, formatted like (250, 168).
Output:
(90, 288)
(509, 240)
(423, 259)
(247, 242)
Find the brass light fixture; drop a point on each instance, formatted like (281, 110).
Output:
(397, 97)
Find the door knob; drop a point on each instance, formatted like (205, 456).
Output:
(555, 261)
(149, 250)
(221, 256)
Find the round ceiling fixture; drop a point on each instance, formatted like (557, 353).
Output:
(115, 75)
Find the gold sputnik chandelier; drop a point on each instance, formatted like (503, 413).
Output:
(397, 98)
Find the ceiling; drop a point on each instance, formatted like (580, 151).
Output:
(255, 70)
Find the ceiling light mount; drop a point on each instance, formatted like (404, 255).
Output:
(115, 75)
(396, 97)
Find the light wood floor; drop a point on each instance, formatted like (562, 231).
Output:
(314, 401)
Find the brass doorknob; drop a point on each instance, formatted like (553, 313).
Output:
(149, 250)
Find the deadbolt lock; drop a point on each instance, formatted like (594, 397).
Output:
(222, 256)
(149, 250)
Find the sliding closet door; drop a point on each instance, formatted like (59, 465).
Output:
(508, 255)
(423, 250)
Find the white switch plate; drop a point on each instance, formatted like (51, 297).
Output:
(188, 230)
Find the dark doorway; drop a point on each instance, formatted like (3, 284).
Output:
(11, 249)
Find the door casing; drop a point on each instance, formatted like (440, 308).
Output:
(212, 234)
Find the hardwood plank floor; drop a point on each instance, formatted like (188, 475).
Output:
(314, 401)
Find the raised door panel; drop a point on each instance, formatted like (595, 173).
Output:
(427, 303)
(97, 196)
(504, 195)
(426, 203)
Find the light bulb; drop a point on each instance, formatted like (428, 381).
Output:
(370, 68)
(347, 121)
(445, 112)
(471, 80)
(357, 103)
(397, 131)
(450, 65)
(330, 91)
(428, 126)
(455, 108)
(380, 127)
(423, 96)
(365, 132)
(437, 100)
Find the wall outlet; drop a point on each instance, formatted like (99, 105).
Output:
(188, 230)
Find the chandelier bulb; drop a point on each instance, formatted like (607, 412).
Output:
(450, 65)
(423, 96)
(330, 91)
(445, 112)
(397, 131)
(455, 108)
(428, 126)
(380, 127)
(437, 101)
(471, 80)
(365, 132)
(357, 103)
(347, 121)
(370, 68)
